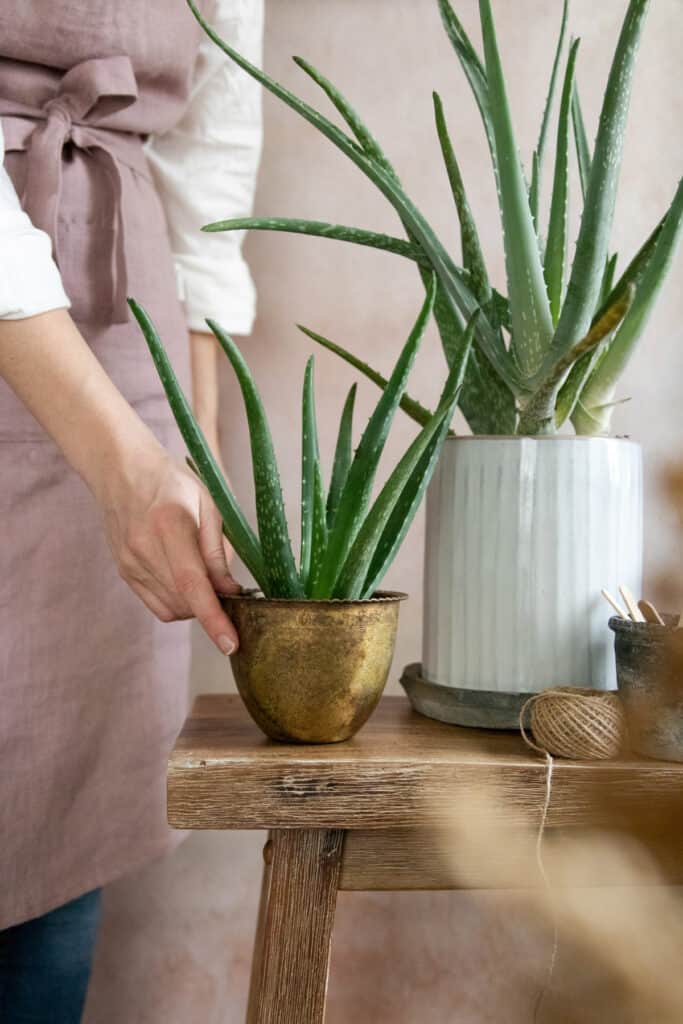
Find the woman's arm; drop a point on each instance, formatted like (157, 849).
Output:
(204, 366)
(164, 531)
(205, 169)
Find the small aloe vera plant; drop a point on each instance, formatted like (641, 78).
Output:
(348, 540)
(552, 350)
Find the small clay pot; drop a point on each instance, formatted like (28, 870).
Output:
(312, 671)
(649, 661)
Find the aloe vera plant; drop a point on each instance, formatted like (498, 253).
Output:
(348, 539)
(553, 348)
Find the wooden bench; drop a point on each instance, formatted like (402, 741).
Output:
(382, 812)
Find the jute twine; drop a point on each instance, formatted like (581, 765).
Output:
(578, 723)
(568, 722)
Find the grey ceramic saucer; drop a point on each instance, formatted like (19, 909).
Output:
(481, 709)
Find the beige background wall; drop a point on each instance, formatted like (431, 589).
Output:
(176, 939)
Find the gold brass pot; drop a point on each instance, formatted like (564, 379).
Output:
(312, 671)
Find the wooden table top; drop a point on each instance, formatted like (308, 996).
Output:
(400, 770)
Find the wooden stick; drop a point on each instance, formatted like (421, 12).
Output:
(633, 609)
(615, 604)
(650, 612)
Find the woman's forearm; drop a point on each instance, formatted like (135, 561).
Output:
(49, 366)
(204, 365)
(164, 531)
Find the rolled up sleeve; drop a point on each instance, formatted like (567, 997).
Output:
(30, 282)
(205, 169)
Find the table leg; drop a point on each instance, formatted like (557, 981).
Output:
(294, 930)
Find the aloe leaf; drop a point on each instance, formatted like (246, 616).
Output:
(583, 153)
(320, 531)
(321, 229)
(281, 573)
(497, 310)
(532, 326)
(399, 521)
(311, 479)
(237, 529)
(363, 134)
(486, 402)
(599, 388)
(473, 69)
(478, 275)
(539, 152)
(633, 273)
(409, 406)
(585, 423)
(534, 188)
(556, 245)
(539, 415)
(408, 481)
(455, 288)
(472, 256)
(351, 582)
(608, 276)
(357, 490)
(591, 247)
(582, 369)
(343, 456)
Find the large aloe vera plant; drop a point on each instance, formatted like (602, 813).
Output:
(551, 350)
(348, 540)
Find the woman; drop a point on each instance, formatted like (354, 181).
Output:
(93, 677)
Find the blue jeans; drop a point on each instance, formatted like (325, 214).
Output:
(45, 964)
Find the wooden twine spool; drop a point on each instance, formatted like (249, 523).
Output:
(577, 723)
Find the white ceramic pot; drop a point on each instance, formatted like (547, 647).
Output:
(522, 533)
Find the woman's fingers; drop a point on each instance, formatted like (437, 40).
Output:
(151, 601)
(213, 548)
(192, 583)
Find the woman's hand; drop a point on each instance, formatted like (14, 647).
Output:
(166, 536)
(164, 530)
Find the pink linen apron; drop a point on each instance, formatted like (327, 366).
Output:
(92, 686)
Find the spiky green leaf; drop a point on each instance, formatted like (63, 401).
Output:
(363, 134)
(531, 322)
(582, 369)
(313, 524)
(358, 488)
(281, 573)
(540, 415)
(591, 247)
(472, 67)
(583, 153)
(409, 406)
(343, 456)
(408, 502)
(599, 389)
(403, 490)
(539, 152)
(486, 402)
(237, 529)
(472, 256)
(320, 229)
(608, 276)
(556, 245)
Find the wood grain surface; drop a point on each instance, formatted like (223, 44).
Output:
(401, 770)
(433, 859)
(292, 951)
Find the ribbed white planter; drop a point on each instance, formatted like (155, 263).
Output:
(522, 533)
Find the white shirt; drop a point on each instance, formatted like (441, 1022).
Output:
(204, 169)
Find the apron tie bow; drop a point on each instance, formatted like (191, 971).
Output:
(87, 93)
